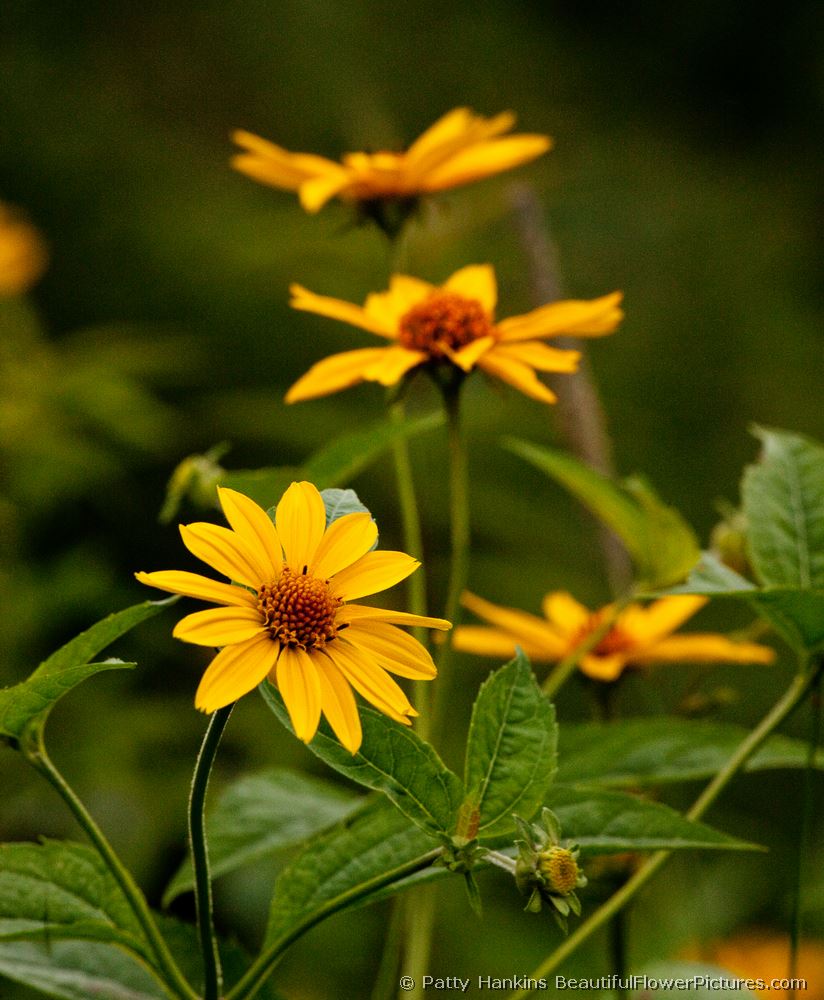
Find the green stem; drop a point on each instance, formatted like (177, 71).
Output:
(260, 970)
(166, 964)
(212, 977)
(792, 697)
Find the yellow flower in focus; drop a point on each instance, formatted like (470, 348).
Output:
(458, 149)
(286, 614)
(638, 636)
(22, 253)
(453, 323)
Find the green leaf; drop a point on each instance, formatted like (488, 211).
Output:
(341, 866)
(510, 755)
(337, 464)
(663, 749)
(25, 706)
(711, 577)
(260, 814)
(660, 541)
(783, 501)
(607, 822)
(392, 760)
(338, 503)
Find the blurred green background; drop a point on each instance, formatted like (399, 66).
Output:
(685, 172)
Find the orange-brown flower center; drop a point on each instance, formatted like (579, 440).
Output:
(299, 610)
(443, 323)
(615, 640)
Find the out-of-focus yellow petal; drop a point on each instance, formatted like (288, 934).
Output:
(338, 704)
(467, 357)
(394, 650)
(485, 159)
(517, 374)
(338, 371)
(315, 193)
(703, 648)
(603, 668)
(372, 573)
(387, 308)
(526, 629)
(220, 626)
(565, 612)
(193, 585)
(300, 687)
(576, 317)
(495, 643)
(346, 312)
(225, 551)
(392, 365)
(254, 526)
(344, 542)
(234, 672)
(476, 281)
(360, 612)
(540, 356)
(302, 165)
(301, 521)
(370, 680)
(449, 127)
(662, 617)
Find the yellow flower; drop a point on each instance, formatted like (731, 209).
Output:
(286, 615)
(22, 253)
(638, 636)
(458, 149)
(451, 323)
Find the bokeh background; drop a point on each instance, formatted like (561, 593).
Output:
(685, 172)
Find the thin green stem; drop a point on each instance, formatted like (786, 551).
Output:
(386, 979)
(212, 977)
(166, 964)
(792, 697)
(260, 970)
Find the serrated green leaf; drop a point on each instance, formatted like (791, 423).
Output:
(783, 501)
(392, 760)
(261, 814)
(26, 705)
(664, 749)
(336, 867)
(607, 822)
(661, 543)
(511, 751)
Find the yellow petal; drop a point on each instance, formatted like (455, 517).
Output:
(339, 705)
(660, 618)
(565, 612)
(225, 551)
(526, 629)
(389, 307)
(392, 649)
(393, 364)
(538, 355)
(492, 642)
(315, 193)
(453, 125)
(338, 371)
(220, 626)
(300, 687)
(344, 542)
(254, 526)
(603, 668)
(371, 573)
(370, 681)
(576, 317)
(704, 648)
(517, 374)
(467, 357)
(477, 281)
(194, 585)
(485, 159)
(301, 521)
(346, 312)
(234, 672)
(360, 612)
(302, 165)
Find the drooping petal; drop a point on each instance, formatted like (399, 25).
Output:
(344, 542)
(467, 357)
(484, 159)
(662, 617)
(315, 193)
(372, 573)
(300, 687)
(347, 312)
(234, 672)
(701, 648)
(516, 374)
(394, 650)
(476, 281)
(301, 521)
(370, 680)
(339, 705)
(603, 668)
(576, 317)
(225, 551)
(220, 626)
(254, 526)
(540, 356)
(393, 364)
(360, 612)
(337, 372)
(193, 585)
(525, 628)
(565, 612)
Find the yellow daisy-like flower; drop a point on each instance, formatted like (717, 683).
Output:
(453, 323)
(22, 253)
(638, 636)
(286, 614)
(458, 149)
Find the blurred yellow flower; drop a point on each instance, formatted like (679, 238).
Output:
(637, 637)
(285, 615)
(453, 324)
(458, 149)
(22, 253)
